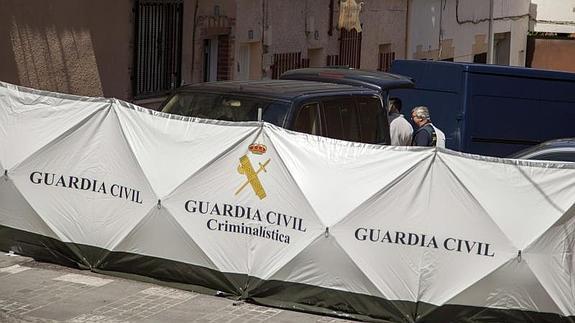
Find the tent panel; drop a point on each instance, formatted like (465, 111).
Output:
(158, 240)
(170, 150)
(470, 243)
(159, 235)
(15, 212)
(337, 176)
(552, 260)
(302, 297)
(244, 210)
(88, 185)
(460, 313)
(368, 308)
(513, 286)
(324, 271)
(39, 247)
(281, 294)
(290, 214)
(555, 273)
(172, 273)
(516, 192)
(30, 119)
(428, 249)
(325, 264)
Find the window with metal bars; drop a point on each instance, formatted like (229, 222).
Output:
(287, 61)
(332, 60)
(385, 60)
(349, 48)
(158, 47)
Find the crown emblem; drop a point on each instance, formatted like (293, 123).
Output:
(257, 149)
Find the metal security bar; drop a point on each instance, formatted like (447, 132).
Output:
(158, 47)
(332, 60)
(385, 60)
(349, 48)
(223, 58)
(287, 61)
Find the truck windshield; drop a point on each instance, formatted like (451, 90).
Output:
(226, 107)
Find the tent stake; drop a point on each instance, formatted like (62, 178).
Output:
(159, 206)
(326, 232)
(519, 256)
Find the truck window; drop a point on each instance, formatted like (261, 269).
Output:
(226, 107)
(187, 104)
(307, 119)
(341, 119)
(371, 120)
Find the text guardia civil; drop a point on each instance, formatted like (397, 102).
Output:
(263, 224)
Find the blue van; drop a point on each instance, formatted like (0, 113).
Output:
(489, 109)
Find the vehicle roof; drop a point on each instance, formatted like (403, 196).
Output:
(375, 80)
(550, 144)
(558, 143)
(279, 89)
(494, 69)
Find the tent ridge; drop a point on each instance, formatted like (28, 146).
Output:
(209, 163)
(476, 201)
(389, 185)
(61, 136)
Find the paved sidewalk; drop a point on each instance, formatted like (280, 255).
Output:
(32, 291)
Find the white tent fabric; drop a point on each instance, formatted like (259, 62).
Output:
(248, 207)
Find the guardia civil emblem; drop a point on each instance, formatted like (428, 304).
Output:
(247, 169)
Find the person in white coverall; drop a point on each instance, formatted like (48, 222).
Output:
(399, 128)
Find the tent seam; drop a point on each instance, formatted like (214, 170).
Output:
(263, 132)
(58, 138)
(491, 220)
(209, 163)
(394, 182)
(556, 207)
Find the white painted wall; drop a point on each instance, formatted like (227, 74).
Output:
(461, 27)
(423, 29)
(557, 16)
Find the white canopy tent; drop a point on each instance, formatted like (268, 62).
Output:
(285, 219)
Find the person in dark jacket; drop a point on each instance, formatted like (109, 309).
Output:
(426, 134)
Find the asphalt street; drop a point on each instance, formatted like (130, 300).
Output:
(32, 291)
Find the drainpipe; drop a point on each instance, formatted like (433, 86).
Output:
(262, 41)
(330, 31)
(194, 39)
(407, 29)
(490, 36)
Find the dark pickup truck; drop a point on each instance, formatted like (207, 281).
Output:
(336, 103)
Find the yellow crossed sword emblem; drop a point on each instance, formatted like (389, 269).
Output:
(245, 167)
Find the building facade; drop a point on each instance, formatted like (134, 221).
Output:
(70, 46)
(273, 36)
(139, 50)
(457, 30)
(551, 42)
